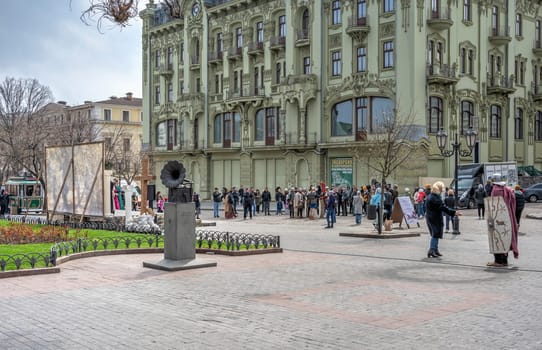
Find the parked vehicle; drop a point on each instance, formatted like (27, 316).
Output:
(533, 193)
(471, 175)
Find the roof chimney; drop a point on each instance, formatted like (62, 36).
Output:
(129, 96)
(86, 102)
(113, 97)
(62, 103)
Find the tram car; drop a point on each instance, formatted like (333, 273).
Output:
(26, 195)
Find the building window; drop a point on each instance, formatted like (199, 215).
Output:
(126, 145)
(467, 10)
(522, 72)
(538, 126)
(236, 132)
(126, 116)
(467, 114)
(259, 32)
(198, 85)
(495, 122)
(537, 33)
(282, 26)
(518, 124)
(361, 114)
(157, 95)
(518, 25)
(306, 65)
(181, 53)
(107, 115)
(277, 72)
(336, 12)
(470, 62)
(259, 128)
(361, 59)
(266, 125)
(181, 133)
(341, 119)
(170, 92)
(495, 20)
(463, 60)
(181, 87)
(238, 38)
(161, 136)
(170, 58)
(436, 118)
(171, 133)
(305, 23)
(388, 54)
(370, 113)
(270, 123)
(157, 59)
(336, 63)
(362, 9)
(218, 129)
(219, 42)
(389, 6)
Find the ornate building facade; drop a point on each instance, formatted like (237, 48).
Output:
(287, 92)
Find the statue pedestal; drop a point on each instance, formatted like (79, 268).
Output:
(179, 240)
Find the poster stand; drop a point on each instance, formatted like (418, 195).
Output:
(403, 209)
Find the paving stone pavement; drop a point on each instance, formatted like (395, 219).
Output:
(323, 292)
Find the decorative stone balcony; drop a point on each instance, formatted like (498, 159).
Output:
(499, 35)
(537, 48)
(165, 70)
(195, 62)
(499, 84)
(215, 57)
(235, 53)
(536, 89)
(302, 38)
(277, 43)
(255, 48)
(246, 94)
(358, 27)
(439, 19)
(444, 74)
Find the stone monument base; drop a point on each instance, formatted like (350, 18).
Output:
(177, 265)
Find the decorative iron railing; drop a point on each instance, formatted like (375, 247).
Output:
(235, 240)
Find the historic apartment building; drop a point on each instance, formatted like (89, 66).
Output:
(287, 92)
(117, 121)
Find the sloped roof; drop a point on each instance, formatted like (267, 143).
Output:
(123, 101)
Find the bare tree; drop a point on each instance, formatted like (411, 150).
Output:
(392, 145)
(119, 12)
(123, 160)
(22, 136)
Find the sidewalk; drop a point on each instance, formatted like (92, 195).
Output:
(324, 291)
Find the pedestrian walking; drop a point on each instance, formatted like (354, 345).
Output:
(266, 200)
(357, 202)
(217, 199)
(434, 207)
(479, 196)
(279, 198)
(330, 209)
(520, 202)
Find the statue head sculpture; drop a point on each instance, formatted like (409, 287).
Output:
(173, 177)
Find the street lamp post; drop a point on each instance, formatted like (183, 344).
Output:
(456, 151)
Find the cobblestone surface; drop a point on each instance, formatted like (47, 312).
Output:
(323, 292)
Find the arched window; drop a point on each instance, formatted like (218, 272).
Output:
(341, 119)
(467, 113)
(267, 125)
(518, 124)
(495, 122)
(259, 128)
(305, 22)
(161, 137)
(236, 132)
(436, 121)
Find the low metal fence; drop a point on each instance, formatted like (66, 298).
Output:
(235, 240)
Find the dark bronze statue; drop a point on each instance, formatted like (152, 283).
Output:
(173, 177)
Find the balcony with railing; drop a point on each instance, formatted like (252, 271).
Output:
(165, 70)
(215, 57)
(439, 19)
(499, 35)
(442, 74)
(536, 88)
(245, 93)
(500, 84)
(358, 27)
(277, 43)
(537, 48)
(302, 38)
(235, 53)
(255, 48)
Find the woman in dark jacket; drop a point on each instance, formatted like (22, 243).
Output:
(479, 196)
(435, 207)
(520, 202)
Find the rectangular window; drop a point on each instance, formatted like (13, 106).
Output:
(306, 65)
(218, 129)
(157, 95)
(336, 63)
(170, 58)
(227, 129)
(217, 83)
(537, 34)
(236, 81)
(171, 133)
(181, 53)
(463, 60)
(170, 92)
(259, 125)
(336, 12)
(435, 114)
(181, 87)
(538, 126)
(389, 6)
(107, 115)
(518, 25)
(236, 127)
(126, 145)
(467, 10)
(157, 59)
(495, 122)
(361, 114)
(277, 73)
(362, 10)
(126, 116)
(270, 124)
(282, 26)
(198, 85)
(495, 20)
(518, 124)
(467, 114)
(522, 73)
(259, 32)
(219, 43)
(256, 79)
(362, 59)
(388, 54)
(470, 62)
(239, 38)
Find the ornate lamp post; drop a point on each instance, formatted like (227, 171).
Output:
(442, 140)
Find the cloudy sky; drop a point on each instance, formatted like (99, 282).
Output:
(46, 40)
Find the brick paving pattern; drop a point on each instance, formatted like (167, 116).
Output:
(323, 292)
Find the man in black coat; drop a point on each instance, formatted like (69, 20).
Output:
(266, 199)
(248, 200)
(435, 207)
